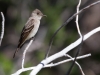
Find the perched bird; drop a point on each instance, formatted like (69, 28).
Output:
(30, 29)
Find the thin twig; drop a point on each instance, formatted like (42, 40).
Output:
(77, 17)
(77, 63)
(2, 30)
(52, 38)
(79, 49)
(67, 60)
(24, 53)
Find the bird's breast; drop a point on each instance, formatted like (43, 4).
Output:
(34, 30)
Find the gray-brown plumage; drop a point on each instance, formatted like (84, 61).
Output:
(30, 29)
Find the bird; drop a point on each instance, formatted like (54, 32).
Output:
(30, 28)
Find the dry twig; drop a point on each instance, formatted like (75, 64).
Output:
(2, 30)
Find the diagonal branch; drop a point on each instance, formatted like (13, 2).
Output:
(52, 38)
(77, 63)
(24, 53)
(50, 65)
(63, 52)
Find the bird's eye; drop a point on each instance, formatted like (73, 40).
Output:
(37, 13)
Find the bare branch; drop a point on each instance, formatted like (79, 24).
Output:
(77, 25)
(77, 63)
(67, 60)
(79, 49)
(24, 53)
(62, 53)
(52, 38)
(2, 30)
(50, 65)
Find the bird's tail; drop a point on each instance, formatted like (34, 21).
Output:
(15, 52)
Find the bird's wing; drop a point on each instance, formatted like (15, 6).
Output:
(25, 32)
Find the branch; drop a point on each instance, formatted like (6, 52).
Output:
(50, 65)
(63, 52)
(52, 38)
(79, 49)
(77, 63)
(24, 53)
(2, 31)
(77, 25)
(67, 60)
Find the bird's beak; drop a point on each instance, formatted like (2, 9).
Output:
(45, 15)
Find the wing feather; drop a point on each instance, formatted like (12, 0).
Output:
(25, 32)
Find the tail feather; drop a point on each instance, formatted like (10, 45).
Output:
(15, 52)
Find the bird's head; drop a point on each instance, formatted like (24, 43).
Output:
(37, 14)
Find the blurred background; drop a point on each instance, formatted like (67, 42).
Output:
(16, 14)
